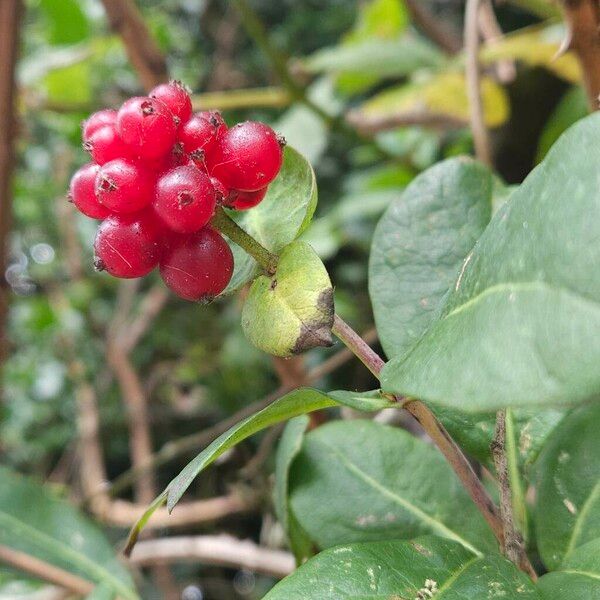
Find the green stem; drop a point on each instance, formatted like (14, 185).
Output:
(225, 224)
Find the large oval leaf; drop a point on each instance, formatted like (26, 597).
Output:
(567, 509)
(521, 326)
(578, 577)
(34, 521)
(357, 481)
(396, 570)
(280, 218)
(420, 244)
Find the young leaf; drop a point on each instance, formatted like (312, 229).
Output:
(292, 311)
(33, 521)
(358, 481)
(424, 568)
(420, 244)
(578, 577)
(289, 446)
(520, 326)
(567, 508)
(298, 402)
(280, 218)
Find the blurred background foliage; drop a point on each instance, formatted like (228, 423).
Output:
(396, 102)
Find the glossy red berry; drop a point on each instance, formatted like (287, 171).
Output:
(105, 145)
(128, 245)
(248, 156)
(176, 97)
(199, 135)
(197, 267)
(82, 192)
(185, 199)
(246, 200)
(96, 121)
(146, 125)
(124, 187)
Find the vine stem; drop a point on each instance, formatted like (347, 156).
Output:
(428, 421)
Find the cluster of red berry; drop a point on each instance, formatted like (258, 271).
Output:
(157, 175)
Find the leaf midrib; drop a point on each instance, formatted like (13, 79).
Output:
(435, 525)
(78, 559)
(579, 521)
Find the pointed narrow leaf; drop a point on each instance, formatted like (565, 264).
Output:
(521, 326)
(424, 568)
(358, 481)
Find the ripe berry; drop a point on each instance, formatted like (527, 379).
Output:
(197, 267)
(124, 187)
(128, 245)
(146, 125)
(221, 192)
(96, 121)
(82, 192)
(246, 200)
(199, 135)
(185, 199)
(105, 145)
(248, 156)
(177, 99)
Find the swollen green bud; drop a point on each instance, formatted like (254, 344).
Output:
(292, 311)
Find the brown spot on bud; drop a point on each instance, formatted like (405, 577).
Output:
(106, 184)
(281, 141)
(198, 155)
(69, 197)
(99, 264)
(184, 198)
(147, 108)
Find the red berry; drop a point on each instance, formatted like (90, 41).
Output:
(124, 187)
(105, 145)
(246, 200)
(248, 156)
(197, 267)
(199, 135)
(96, 121)
(128, 245)
(185, 199)
(222, 193)
(82, 192)
(176, 97)
(146, 125)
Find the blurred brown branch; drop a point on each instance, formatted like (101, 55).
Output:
(215, 550)
(10, 21)
(433, 28)
(143, 52)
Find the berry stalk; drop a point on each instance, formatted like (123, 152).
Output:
(226, 225)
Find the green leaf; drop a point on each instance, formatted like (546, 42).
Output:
(380, 19)
(67, 23)
(289, 447)
(443, 94)
(298, 402)
(535, 47)
(292, 311)
(578, 577)
(34, 521)
(101, 592)
(376, 57)
(424, 568)
(567, 508)
(520, 326)
(358, 481)
(420, 244)
(280, 218)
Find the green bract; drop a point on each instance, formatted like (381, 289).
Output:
(292, 311)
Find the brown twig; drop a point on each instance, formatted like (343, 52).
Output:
(221, 550)
(582, 18)
(506, 70)
(476, 112)
(10, 20)
(150, 307)
(45, 571)
(433, 27)
(368, 125)
(143, 52)
(513, 546)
